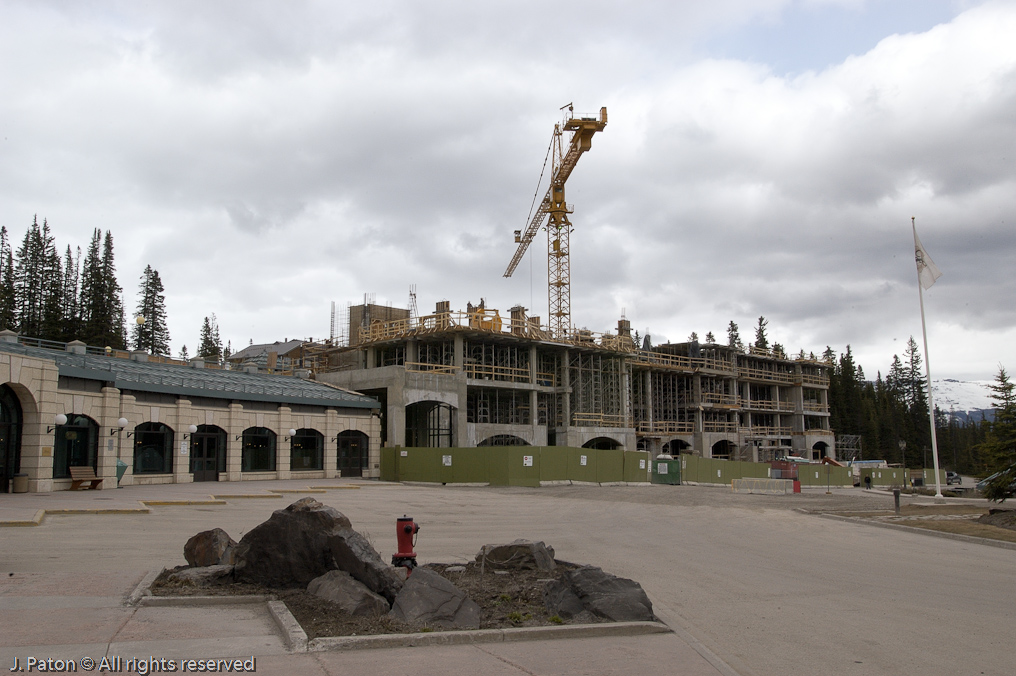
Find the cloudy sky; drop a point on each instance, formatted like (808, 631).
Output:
(762, 157)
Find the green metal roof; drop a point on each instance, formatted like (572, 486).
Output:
(127, 374)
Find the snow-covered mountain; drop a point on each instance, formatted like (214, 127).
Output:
(963, 398)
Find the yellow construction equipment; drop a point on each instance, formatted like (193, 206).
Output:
(559, 227)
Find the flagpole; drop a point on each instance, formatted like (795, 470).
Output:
(927, 367)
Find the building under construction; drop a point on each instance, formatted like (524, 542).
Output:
(479, 378)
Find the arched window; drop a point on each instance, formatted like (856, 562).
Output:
(258, 451)
(10, 436)
(75, 445)
(153, 449)
(306, 450)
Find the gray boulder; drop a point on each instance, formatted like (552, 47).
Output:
(210, 548)
(305, 541)
(427, 599)
(517, 555)
(352, 596)
(603, 595)
(203, 576)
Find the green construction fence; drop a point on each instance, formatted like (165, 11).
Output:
(514, 465)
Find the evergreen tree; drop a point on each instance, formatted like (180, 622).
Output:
(30, 282)
(153, 334)
(999, 448)
(184, 355)
(693, 338)
(101, 306)
(71, 314)
(8, 300)
(733, 337)
(710, 338)
(761, 341)
(210, 346)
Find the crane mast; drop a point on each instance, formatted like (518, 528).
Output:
(553, 211)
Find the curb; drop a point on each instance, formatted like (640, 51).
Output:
(296, 637)
(1001, 544)
(247, 496)
(181, 503)
(297, 490)
(334, 488)
(477, 636)
(142, 590)
(201, 601)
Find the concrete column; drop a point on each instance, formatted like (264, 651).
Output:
(566, 391)
(648, 396)
(413, 350)
(126, 444)
(458, 350)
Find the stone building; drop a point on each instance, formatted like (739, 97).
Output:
(170, 422)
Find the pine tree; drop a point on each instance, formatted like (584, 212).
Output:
(693, 338)
(210, 347)
(90, 302)
(999, 448)
(184, 355)
(71, 281)
(733, 337)
(153, 333)
(30, 282)
(761, 341)
(8, 300)
(710, 338)
(115, 328)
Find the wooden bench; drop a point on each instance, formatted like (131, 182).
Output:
(83, 475)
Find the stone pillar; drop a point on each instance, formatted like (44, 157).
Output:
(234, 449)
(134, 417)
(284, 445)
(331, 431)
(181, 420)
(109, 444)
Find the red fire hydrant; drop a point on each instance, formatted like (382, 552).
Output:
(405, 533)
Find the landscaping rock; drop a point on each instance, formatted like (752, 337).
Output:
(204, 576)
(427, 599)
(604, 595)
(305, 541)
(560, 600)
(517, 555)
(210, 548)
(352, 596)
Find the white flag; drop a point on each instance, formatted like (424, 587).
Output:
(927, 271)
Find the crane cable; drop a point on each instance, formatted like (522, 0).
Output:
(550, 149)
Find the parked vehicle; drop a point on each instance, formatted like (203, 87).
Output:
(953, 478)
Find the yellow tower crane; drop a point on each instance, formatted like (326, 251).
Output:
(556, 209)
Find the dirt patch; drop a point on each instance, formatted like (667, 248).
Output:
(962, 527)
(511, 598)
(1000, 518)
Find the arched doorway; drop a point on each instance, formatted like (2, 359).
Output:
(676, 446)
(75, 445)
(354, 453)
(10, 436)
(819, 450)
(602, 443)
(208, 453)
(153, 449)
(723, 449)
(429, 424)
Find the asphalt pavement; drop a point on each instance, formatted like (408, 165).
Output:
(749, 584)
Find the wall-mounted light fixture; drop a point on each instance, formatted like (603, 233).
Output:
(191, 429)
(121, 423)
(292, 433)
(60, 419)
